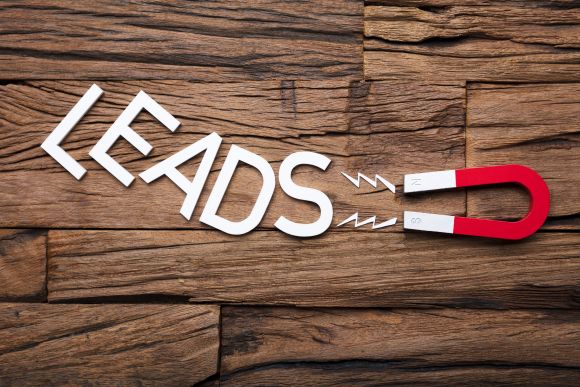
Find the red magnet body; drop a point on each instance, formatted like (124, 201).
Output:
(471, 177)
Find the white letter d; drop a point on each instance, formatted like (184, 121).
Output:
(209, 215)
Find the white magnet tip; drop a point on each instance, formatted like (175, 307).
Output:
(429, 181)
(428, 222)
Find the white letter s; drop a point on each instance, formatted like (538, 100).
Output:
(306, 194)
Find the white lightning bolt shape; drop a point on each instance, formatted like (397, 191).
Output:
(372, 182)
(372, 220)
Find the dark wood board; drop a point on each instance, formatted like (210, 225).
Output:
(209, 41)
(398, 347)
(353, 269)
(22, 264)
(154, 345)
(534, 125)
(494, 41)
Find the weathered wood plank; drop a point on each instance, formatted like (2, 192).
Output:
(434, 4)
(490, 41)
(398, 347)
(218, 40)
(369, 373)
(386, 128)
(355, 268)
(22, 264)
(118, 344)
(535, 125)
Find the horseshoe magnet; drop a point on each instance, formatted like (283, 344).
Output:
(471, 177)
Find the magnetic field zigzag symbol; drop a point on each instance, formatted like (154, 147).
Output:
(374, 184)
(209, 145)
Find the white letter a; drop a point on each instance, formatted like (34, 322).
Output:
(210, 144)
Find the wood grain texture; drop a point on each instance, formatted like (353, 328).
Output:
(492, 41)
(379, 86)
(534, 125)
(352, 373)
(399, 347)
(435, 4)
(387, 128)
(217, 40)
(337, 269)
(130, 345)
(22, 264)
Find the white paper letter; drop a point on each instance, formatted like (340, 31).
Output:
(51, 144)
(120, 128)
(209, 215)
(210, 144)
(306, 194)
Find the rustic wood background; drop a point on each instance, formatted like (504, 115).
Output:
(104, 285)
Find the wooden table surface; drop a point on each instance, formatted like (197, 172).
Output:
(106, 285)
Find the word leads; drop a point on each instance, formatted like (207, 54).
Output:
(192, 188)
